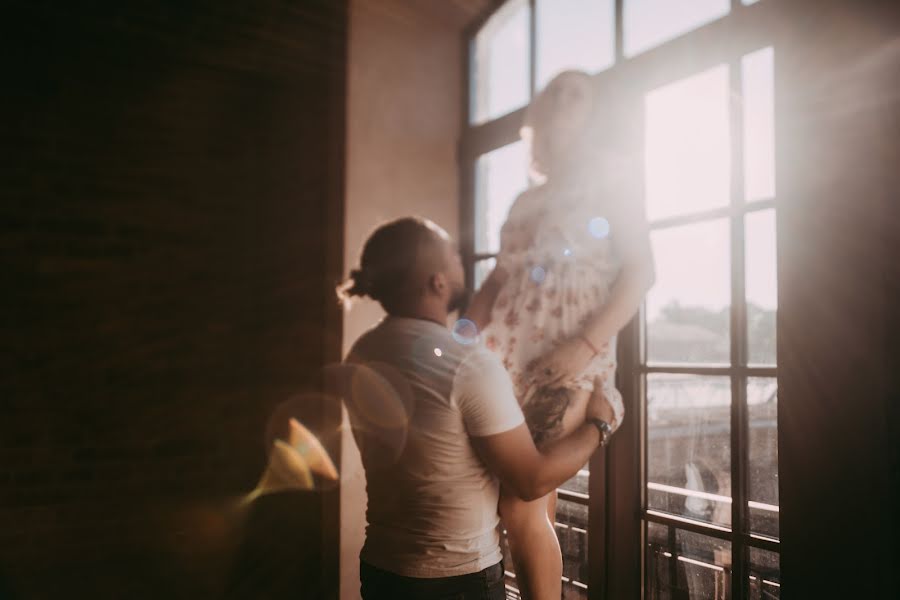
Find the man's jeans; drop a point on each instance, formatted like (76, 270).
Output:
(487, 584)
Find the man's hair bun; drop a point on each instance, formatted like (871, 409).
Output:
(359, 284)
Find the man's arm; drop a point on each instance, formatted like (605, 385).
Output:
(501, 438)
(531, 473)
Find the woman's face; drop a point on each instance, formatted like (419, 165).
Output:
(556, 119)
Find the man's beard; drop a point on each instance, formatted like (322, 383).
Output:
(459, 299)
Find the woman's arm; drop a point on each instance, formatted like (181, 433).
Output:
(482, 303)
(636, 277)
(632, 243)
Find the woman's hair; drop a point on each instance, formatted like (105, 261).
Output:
(390, 259)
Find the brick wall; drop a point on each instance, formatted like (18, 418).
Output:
(170, 228)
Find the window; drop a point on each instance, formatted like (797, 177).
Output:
(699, 517)
(501, 74)
(649, 23)
(500, 176)
(574, 34)
(708, 372)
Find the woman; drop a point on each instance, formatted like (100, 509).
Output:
(574, 265)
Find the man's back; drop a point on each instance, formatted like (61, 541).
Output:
(417, 395)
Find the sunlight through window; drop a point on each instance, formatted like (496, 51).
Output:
(500, 63)
(688, 150)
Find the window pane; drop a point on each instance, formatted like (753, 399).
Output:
(649, 23)
(500, 70)
(762, 474)
(759, 125)
(688, 307)
(579, 483)
(689, 446)
(761, 286)
(574, 34)
(682, 564)
(571, 528)
(687, 145)
(500, 177)
(483, 268)
(765, 575)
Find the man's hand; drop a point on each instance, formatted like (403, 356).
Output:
(562, 364)
(599, 407)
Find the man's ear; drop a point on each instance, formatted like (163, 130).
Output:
(438, 283)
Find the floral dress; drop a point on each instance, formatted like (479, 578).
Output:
(556, 247)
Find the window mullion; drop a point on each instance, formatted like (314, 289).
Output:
(739, 428)
(620, 28)
(532, 46)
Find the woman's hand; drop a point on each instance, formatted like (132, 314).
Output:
(562, 364)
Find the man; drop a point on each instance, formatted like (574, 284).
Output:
(438, 425)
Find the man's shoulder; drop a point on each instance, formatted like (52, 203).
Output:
(364, 344)
(479, 366)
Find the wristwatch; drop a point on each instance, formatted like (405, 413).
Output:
(603, 427)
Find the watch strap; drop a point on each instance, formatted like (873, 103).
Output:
(603, 427)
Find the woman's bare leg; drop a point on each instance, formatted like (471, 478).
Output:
(533, 546)
(530, 530)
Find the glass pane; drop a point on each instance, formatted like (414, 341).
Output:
(762, 475)
(681, 564)
(688, 306)
(483, 268)
(687, 145)
(574, 34)
(759, 125)
(761, 286)
(571, 529)
(689, 446)
(579, 483)
(649, 23)
(500, 71)
(765, 575)
(500, 177)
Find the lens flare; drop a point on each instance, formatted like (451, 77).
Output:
(380, 397)
(599, 228)
(538, 274)
(308, 446)
(295, 464)
(379, 403)
(297, 458)
(465, 332)
(287, 470)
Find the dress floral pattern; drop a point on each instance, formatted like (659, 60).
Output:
(556, 246)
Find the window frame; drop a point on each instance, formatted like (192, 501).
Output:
(617, 515)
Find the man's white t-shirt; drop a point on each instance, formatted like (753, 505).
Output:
(417, 395)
